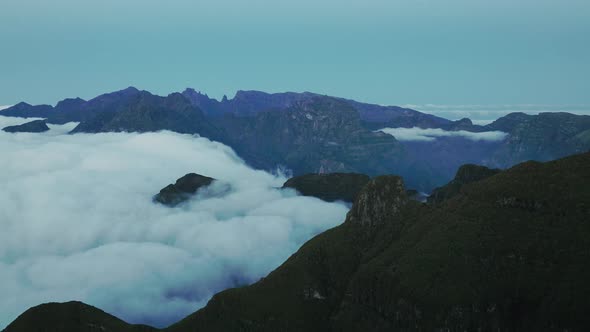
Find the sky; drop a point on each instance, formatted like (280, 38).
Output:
(394, 52)
(79, 223)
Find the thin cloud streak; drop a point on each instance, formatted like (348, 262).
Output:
(429, 135)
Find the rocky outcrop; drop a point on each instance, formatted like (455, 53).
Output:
(472, 264)
(380, 201)
(465, 175)
(36, 126)
(479, 262)
(184, 188)
(541, 137)
(145, 112)
(319, 135)
(308, 132)
(329, 187)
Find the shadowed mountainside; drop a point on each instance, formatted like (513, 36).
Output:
(321, 134)
(465, 175)
(506, 253)
(71, 317)
(329, 187)
(308, 132)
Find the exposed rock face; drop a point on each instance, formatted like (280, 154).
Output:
(542, 137)
(36, 126)
(183, 189)
(490, 259)
(306, 132)
(465, 175)
(470, 265)
(376, 116)
(145, 112)
(250, 103)
(322, 134)
(329, 187)
(380, 201)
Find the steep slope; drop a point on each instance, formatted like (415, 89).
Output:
(250, 103)
(377, 116)
(246, 103)
(75, 109)
(509, 253)
(322, 134)
(542, 137)
(465, 175)
(146, 112)
(273, 130)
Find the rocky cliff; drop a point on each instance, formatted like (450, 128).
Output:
(508, 254)
(183, 189)
(306, 132)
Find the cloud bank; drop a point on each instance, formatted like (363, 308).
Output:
(485, 114)
(78, 223)
(3, 107)
(429, 135)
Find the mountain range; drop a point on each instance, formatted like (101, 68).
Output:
(498, 251)
(313, 133)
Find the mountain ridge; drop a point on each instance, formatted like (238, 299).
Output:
(271, 131)
(509, 253)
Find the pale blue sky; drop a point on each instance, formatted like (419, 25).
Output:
(387, 52)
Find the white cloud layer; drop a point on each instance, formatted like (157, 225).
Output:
(78, 223)
(3, 107)
(428, 135)
(484, 114)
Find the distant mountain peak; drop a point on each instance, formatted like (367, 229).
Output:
(22, 104)
(130, 89)
(69, 102)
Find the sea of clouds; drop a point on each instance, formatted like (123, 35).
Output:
(431, 134)
(78, 223)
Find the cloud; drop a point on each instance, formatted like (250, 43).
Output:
(78, 223)
(488, 113)
(429, 135)
(3, 107)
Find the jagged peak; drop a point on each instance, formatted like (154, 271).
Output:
(130, 89)
(193, 92)
(22, 104)
(379, 202)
